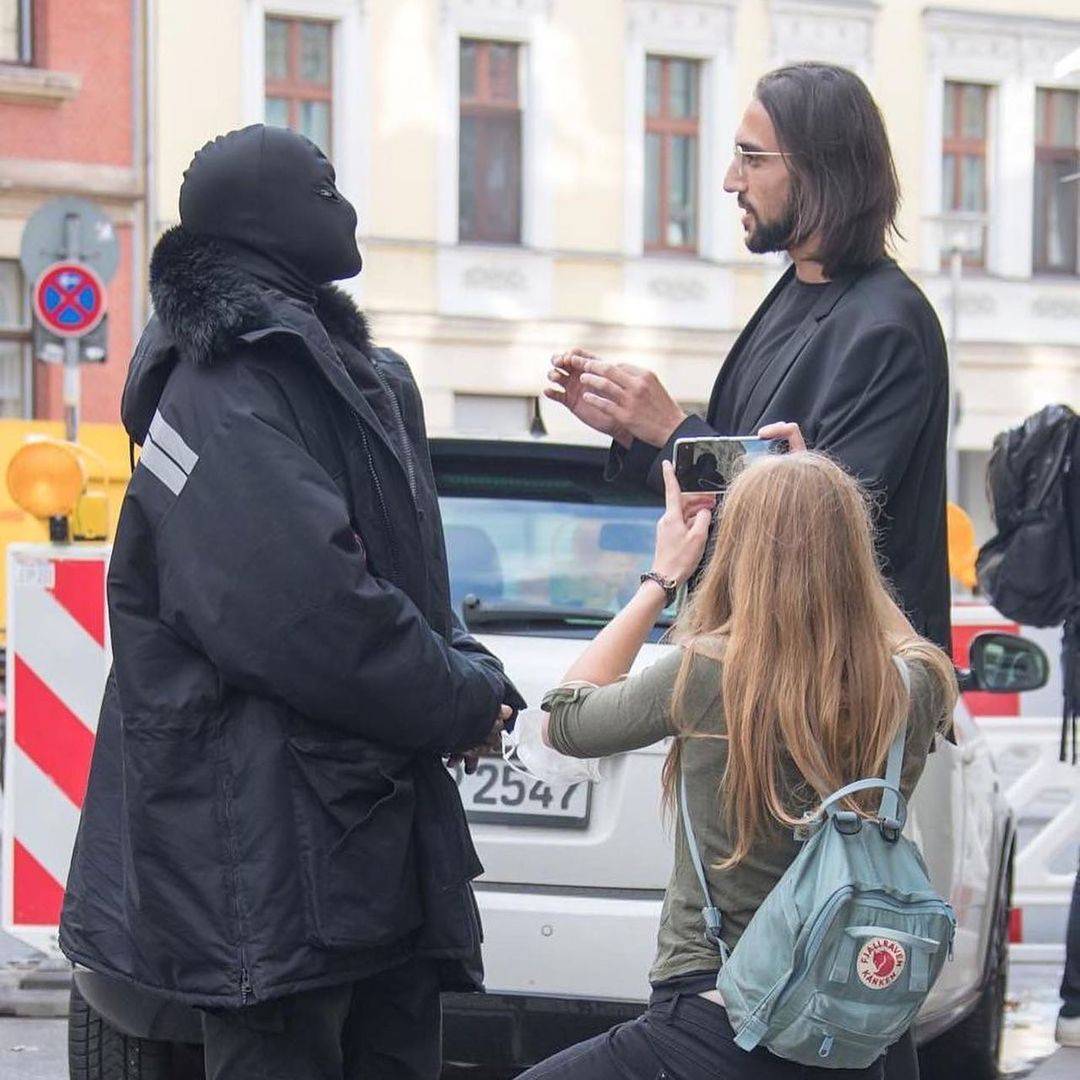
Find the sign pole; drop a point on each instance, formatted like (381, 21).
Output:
(952, 461)
(72, 379)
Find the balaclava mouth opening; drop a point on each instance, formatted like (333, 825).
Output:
(268, 195)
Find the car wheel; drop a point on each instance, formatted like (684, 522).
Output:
(972, 1048)
(97, 1051)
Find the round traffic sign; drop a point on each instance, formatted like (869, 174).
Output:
(69, 299)
(69, 228)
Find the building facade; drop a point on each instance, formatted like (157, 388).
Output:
(72, 122)
(534, 174)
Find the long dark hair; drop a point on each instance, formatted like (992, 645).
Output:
(844, 185)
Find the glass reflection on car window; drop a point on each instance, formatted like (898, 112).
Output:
(563, 555)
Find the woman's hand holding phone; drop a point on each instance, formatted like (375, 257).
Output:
(683, 529)
(784, 430)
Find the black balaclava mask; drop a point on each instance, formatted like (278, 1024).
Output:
(268, 195)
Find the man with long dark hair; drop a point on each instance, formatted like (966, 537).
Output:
(845, 345)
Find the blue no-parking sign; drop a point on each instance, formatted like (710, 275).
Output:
(69, 299)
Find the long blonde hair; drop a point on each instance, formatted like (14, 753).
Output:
(793, 595)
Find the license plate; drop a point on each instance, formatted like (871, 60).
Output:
(498, 794)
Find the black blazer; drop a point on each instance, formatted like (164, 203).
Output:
(866, 378)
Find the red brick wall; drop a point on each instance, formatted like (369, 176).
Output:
(94, 40)
(91, 39)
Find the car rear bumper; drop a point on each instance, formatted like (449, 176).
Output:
(518, 1030)
(575, 943)
(561, 965)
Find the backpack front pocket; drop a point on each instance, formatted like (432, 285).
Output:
(854, 1033)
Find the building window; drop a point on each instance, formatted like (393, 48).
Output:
(963, 172)
(299, 77)
(15, 370)
(489, 143)
(16, 37)
(494, 414)
(1057, 155)
(672, 117)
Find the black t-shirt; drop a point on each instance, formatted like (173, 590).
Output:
(777, 326)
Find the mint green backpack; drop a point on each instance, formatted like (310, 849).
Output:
(836, 962)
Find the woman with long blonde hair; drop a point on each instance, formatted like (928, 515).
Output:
(783, 689)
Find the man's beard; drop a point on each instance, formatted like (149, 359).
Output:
(772, 235)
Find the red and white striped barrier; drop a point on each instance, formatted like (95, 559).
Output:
(58, 657)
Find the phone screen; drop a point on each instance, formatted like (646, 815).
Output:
(708, 464)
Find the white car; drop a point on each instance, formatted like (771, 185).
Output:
(542, 551)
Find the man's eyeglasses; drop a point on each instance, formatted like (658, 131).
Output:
(747, 159)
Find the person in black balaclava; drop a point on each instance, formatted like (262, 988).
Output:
(269, 197)
(270, 833)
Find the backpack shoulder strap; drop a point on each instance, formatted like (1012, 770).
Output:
(890, 799)
(710, 912)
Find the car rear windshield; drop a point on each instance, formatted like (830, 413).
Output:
(534, 533)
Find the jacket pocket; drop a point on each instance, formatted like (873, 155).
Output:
(354, 818)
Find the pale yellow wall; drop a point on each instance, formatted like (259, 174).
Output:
(404, 120)
(587, 139)
(198, 65)
(899, 83)
(197, 74)
(898, 87)
(404, 116)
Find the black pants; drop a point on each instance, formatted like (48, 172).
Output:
(388, 1027)
(689, 1038)
(1070, 982)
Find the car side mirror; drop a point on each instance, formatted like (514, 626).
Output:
(1006, 664)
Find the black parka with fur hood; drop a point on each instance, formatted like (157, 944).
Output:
(267, 809)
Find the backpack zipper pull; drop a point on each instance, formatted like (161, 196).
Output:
(826, 1047)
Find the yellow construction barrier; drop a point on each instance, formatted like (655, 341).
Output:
(102, 451)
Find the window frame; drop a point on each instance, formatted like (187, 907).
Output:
(19, 333)
(1049, 154)
(24, 28)
(960, 147)
(667, 127)
(480, 107)
(293, 89)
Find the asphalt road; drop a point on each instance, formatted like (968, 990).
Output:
(36, 1049)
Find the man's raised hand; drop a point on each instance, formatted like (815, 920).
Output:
(620, 400)
(567, 388)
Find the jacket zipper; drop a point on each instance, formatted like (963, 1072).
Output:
(379, 496)
(247, 991)
(410, 465)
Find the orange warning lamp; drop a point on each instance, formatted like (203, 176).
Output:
(963, 551)
(46, 478)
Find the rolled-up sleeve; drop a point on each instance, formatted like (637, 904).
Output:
(589, 721)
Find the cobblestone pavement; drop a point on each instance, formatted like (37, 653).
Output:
(33, 1045)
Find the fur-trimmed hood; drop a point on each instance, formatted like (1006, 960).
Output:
(203, 304)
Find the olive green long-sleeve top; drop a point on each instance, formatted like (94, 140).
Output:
(588, 721)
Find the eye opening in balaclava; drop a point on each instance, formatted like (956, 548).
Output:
(269, 195)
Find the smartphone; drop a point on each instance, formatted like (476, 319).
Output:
(709, 463)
